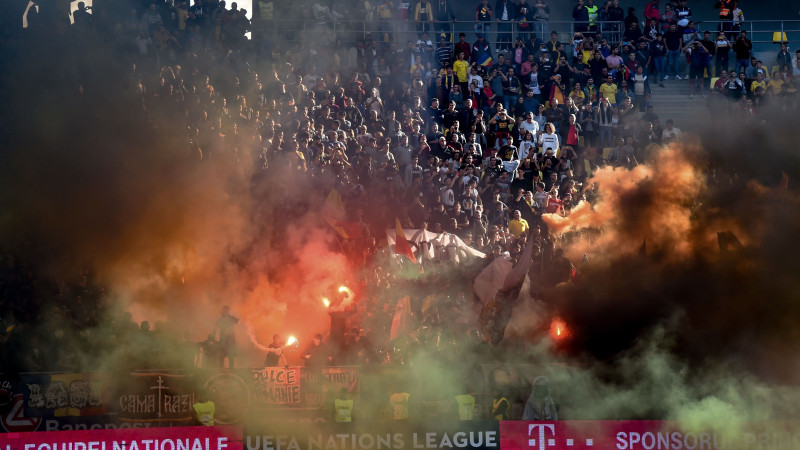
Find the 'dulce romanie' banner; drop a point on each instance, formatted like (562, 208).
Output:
(182, 438)
(646, 435)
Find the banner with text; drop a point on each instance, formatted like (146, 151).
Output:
(647, 435)
(472, 434)
(182, 438)
(167, 396)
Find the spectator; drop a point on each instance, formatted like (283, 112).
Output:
(632, 34)
(504, 12)
(592, 15)
(670, 133)
(464, 47)
(784, 58)
(483, 17)
(726, 8)
(580, 15)
(444, 15)
(684, 14)
(722, 49)
(668, 18)
(710, 47)
(423, 16)
(673, 41)
(651, 11)
(742, 48)
(658, 54)
(609, 90)
(540, 404)
(641, 88)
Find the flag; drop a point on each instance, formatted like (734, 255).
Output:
(501, 308)
(573, 272)
(728, 242)
(491, 279)
(485, 60)
(585, 259)
(402, 323)
(334, 214)
(401, 245)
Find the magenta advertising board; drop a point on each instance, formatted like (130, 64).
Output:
(646, 435)
(178, 438)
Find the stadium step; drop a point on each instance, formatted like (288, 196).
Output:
(673, 102)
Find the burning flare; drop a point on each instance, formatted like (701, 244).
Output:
(558, 329)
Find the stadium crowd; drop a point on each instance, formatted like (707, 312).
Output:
(463, 137)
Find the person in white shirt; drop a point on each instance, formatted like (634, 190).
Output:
(530, 125)
(447, 195)
(540, 196)
(670, 133)
(527, 147)
(475, 82)
(549, 138)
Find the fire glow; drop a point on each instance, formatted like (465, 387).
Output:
(346, 290)
(558, 329)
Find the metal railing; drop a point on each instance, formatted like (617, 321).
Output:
(761, 31)
(353, 31)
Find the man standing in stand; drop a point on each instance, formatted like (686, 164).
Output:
(227, 337)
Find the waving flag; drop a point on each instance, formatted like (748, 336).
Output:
(401, 245)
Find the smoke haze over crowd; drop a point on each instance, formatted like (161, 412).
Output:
(685, 307)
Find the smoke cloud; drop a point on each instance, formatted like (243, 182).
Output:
(685, 309)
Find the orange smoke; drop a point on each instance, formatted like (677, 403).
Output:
(653, 202)
(288, 299)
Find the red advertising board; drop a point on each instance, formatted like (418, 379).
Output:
(645, 435)
(179, 438)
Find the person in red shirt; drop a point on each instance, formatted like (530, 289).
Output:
(463, 46)
(572, 132)
(554, 205)
(651, 11)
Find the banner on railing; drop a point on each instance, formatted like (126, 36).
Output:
(168, 396)
(183, 438)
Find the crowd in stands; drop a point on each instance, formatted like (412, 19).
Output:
(454, 137)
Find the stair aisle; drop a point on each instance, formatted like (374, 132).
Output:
(672, 102)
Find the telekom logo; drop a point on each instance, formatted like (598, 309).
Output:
(545, 436)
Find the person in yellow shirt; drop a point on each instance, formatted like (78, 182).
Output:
(461, 69)
(500, 406)
(399, 401)
(577, 95)
(518, 226)
(609, 90)
(417, 65)
(776, 84)
(204, 409)
(758, 82)
(343, 407)
(466, 406)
